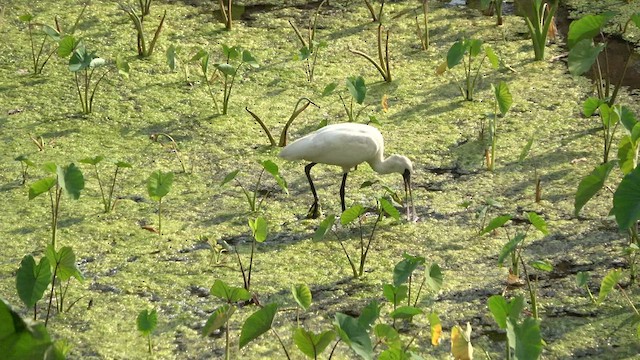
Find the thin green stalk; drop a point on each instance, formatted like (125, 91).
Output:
(53, 281)
(227, 352)
(113, 185)
(149, 339)
(253, 248)
(281, 343)
(366, 250)
(160, 217)
(104, 200)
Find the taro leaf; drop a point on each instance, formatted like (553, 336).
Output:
(41, 186)
(510, 247)
(147, 321)
(311, 344)
(354, 334)
(25, 160)
(66, 45)
(25, 17)
(50, 167)
(538, 222)
(608, 283)
(626, 200)
(357, 88)
(257, 324)
(171, 57)
(122, 164)
(434, 277)
(352, 213)
(582, 278)
(627, 151)
(230, 52)
(525, 150)
(203, 56)
(405, 312)
(474, 46)
(123, 66)
(441, 68)
(93, 160)
(303, 54)
(590, 106)
(32, 280)
(219, 317)
(369, 314)
(80, 59)
(542, 265)
(302, 295)
(503, 97)
(19, 340)
(365, 184)
(226, 69)
(259, 229)
(329, 89)
(272, 169)
(159, 184)
(455, 54)
(395, 294)
(387, 334)
(248, 58)
(499, 310)
(627, 117)
(495, 223)
(71, 180)
(228, 293)
(65, 260)
(461, 348)
(608, 115)
(586, 28)
(389, 209)
(396, 353)
(582, 56)
(435, 328)
(324, 227)
(525, 339)
(51, 32)
(591, 184)
(493, 58)
(230, 176)
(405, 268)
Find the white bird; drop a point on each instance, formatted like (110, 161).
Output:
(347, 145)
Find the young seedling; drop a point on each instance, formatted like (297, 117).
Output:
(173, 59)
(524, 340)
(358, 90)
(252, 197)
(423, 34)
(107, 199)
(259, 233)
(584, 52)
(67, 179)
(259, 323)
(503, 101)
(147, 322)
(84, 65)
(144, 50)
(382, 65)
(50, 35)
(297, 110)
(25, 164)
(302, 296)
(158, 186)
(310, 47)
(467, 52)
(64, 267)
(539, 21)
(174, 147)
(582, 281)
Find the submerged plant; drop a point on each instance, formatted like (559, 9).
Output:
(145, 49)
(539, 21)
(107, 198)
(467, 51)
(158, 186)
(297, 110)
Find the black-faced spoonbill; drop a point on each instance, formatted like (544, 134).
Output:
(347, 145)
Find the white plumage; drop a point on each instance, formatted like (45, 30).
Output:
(346, 145)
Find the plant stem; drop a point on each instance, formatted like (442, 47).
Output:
(113, 185)
(104, 200)
(160, 217)
(281, 343)
(53, 281)
(227, 353)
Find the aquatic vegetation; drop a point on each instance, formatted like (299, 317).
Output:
(310, 47)
(227, 13)
(252, 197)
(146, 323)
(41, 56)
(25, 164)
(173, 59)
(423, 32)
(358, 91)
(158, 186)
(503, 101)
(524, 340)
(297, 110)
(539, 20)
(382, 65)
(374, 16)
(144, 50)
(108, 199)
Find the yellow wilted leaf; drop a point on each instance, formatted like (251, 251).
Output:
(436, 328)
(461, 348)
(441, 68)
(385, 103)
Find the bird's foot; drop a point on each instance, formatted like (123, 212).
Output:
(314, 211)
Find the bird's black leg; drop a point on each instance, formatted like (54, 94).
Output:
(344, 183)
(314, 212)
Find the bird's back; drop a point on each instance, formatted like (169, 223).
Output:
(345, 145)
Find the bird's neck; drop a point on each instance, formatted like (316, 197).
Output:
(382, 166)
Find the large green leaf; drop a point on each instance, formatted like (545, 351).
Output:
(354, 334)
(591, 184)
(499, 310)
(525, 339)
(510, 247)
(248, 58)
(474, 46)
(395, 294)
(92, 160)
(41, 186)
(387, 334)
(219, 317)
(405, 268)
(433, 276)
(626, 200)
(147, 321)
(590, 105)
(608, 283)
(627, 151)
(491, 55)
(228, 293)
(272, 169)
(66, 45)
(259, 229)
(586, 28)
(609, 115)
(257, 324)
(20, 340)
(389, 209)
(455, 53)
(80, 59)
(324, 227)
(65, 260)
(226, 69)
(32, 280)
(352, 213)
(495, 223)
(370, 314)
(405, 312)
(302, 295)
(311, 344)
(626, 116)
(159, 184)
(538, 222)
(230, 176)
(503, 97)
(582, 56)
(71, 180)
(357, 88)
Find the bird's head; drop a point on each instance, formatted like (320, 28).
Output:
(404, 166)
(401, 164)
